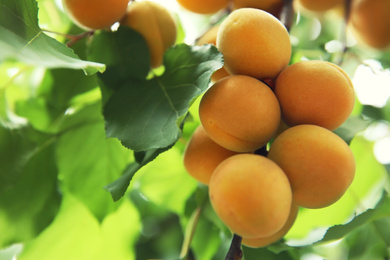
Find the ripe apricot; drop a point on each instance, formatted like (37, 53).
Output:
(254, 43)
(204, 6)
(156, 24)
(319, 164)
(240, 113)
(202, 155)
(272, 6)
(210, 37)
(320, 5)
(268, 240)
(95, 14)
(370, 22)
(251, 195)
(315, 92)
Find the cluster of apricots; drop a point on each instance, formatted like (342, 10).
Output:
(267, 103)
(369, 20)
(152, 20)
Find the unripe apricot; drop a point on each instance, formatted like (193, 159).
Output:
(240, 113)
(210, 37)
(95, 14)
(202, 155)
(315, 92)
(203, 6)
(320, 5)
(254, 43)
(272, 6)
(319, 164)
(268, 240)
(156, 24)
(370, 22)
(251, 195)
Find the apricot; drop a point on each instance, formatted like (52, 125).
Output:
(210, 37)
(254, 43)
(319, 164)
(272, 6)
(251, 195)
(240, 113)
(202, 155)
(204, 6)
(315, 92)
(95, 14)
(268, 240)
(370, 22)
(156, 24)
(320, 5)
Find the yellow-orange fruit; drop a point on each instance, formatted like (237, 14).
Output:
(203, 6)
(320, 5)
(202, 155)
(240, 113)
(370, 22)
(319, 164)
(95, 14)
(251, 195)
(268, 240)
(156, 24)
(210, 37)
(315, 92)
(272, 6)
(254, 43)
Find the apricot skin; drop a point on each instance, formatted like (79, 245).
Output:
(240, 113)
(95, 14)
(268, 240)
(202, 155)
(370, 22)
(251, 195)
(320, 5)
(210, 37)
(203, 6)
(319, 164)
(156, 24)
(254, 43)
(315, 92)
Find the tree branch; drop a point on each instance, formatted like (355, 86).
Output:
(235, 252)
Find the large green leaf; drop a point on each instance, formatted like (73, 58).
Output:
(145, 114)
(21, 39)
(29, 197)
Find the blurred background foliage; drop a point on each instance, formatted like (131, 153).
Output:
(56, 160)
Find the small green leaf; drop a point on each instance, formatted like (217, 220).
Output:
(23, 40)
(144, 114)
(351, 127)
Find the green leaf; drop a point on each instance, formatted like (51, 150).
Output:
(87, 161)
(29, 197)
(76, 234)
(144, 114)
(351, 127)
(23, 40)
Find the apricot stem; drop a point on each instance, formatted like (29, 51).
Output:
(235, 252)
(72, 38)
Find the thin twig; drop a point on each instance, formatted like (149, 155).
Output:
(72, 38)
(235, 252)
(190, 231)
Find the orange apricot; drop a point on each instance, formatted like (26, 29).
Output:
(254, 43)
(240, 113)
(320, 5)
(210, 37)
(204, 6)
(95, 14)
(370, 22)
(202, 155)
(315, 92)
(251, 195)
(272, 6)
(319, 164)
(268, 240)
(156, 24)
